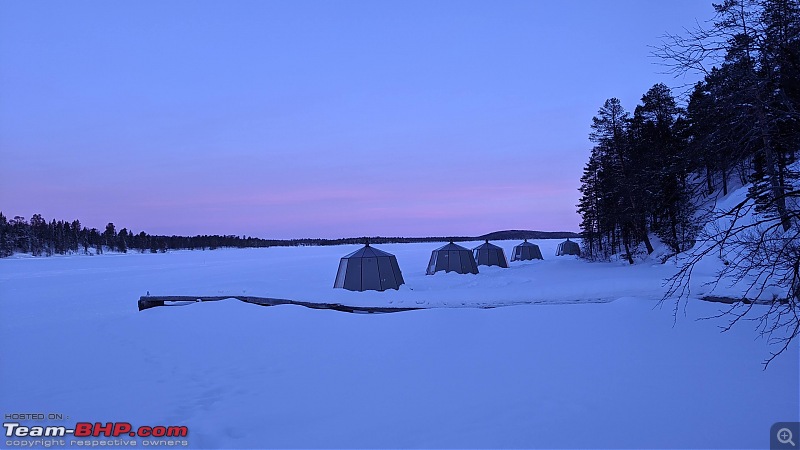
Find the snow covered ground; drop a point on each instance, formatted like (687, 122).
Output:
(613, 372)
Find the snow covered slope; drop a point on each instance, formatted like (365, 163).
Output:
(748, 263)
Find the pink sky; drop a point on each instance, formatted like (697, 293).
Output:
(314, 119)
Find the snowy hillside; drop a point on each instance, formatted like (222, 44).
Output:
(749, 262)
(608, 375)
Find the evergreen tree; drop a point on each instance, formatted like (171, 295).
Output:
(662, 167)
(76, 241)
(626, 215)
(122, 245)
(38, 235)
(110, 236)
(589, 208)
(6, 238)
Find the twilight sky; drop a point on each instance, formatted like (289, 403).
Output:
(315, 118)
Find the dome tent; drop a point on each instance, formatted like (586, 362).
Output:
(368, 269)
(568, 248)
(526, 251)
(488, 254)
(452, 258)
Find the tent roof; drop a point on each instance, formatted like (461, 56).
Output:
(526, 244)
(451, 247)
(487, 246)
(367, 252)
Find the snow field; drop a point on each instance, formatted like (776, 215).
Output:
(559, 375)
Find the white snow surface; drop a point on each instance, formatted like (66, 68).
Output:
(616, 371)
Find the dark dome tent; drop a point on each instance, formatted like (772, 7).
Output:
(368, 269)
(452, 258)
(568, 248)
(526, 251)
(488, 254)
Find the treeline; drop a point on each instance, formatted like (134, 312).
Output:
(648, 171)
(42, 238)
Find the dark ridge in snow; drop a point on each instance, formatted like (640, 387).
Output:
(147, 302)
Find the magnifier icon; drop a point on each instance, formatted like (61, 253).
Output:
(785, 436)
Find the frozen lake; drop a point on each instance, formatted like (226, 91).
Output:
(614, 372)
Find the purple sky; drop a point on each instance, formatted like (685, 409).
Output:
(315, 119)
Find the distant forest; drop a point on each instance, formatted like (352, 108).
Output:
(42, 238)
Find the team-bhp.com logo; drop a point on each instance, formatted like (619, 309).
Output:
(97, 429)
